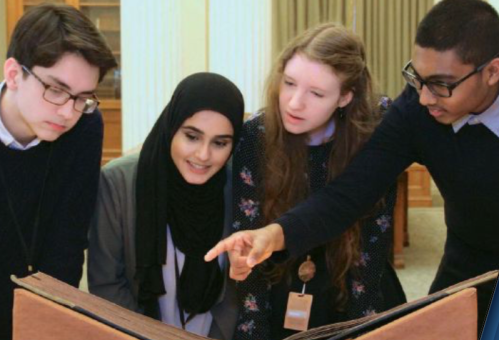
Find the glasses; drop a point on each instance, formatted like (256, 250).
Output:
(438, 88)
(57, 96)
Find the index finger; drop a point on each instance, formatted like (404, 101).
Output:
(220, 248)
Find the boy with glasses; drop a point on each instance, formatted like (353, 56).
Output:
(50, 146)
(447, 118)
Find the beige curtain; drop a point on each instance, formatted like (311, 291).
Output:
(291, 17)
(387, 27)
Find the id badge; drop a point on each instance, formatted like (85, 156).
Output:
(298, 311)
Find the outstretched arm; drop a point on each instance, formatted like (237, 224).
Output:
(248, 248)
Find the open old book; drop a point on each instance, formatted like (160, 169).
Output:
(46, 308)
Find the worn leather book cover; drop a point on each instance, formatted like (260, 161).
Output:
(451, 318)
(50, 309)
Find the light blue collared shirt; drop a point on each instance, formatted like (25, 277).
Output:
(489, 118)
(318, 138)
(170, 313)
(9, 140)
(323, 136)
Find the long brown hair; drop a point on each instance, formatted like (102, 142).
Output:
(286, 155)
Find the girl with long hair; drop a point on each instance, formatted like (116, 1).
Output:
(320, 110)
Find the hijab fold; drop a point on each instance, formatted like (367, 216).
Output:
(194, 213)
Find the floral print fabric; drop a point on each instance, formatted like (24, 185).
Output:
(254, 293)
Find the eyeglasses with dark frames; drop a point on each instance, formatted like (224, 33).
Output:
(438, 88)
(57, 96)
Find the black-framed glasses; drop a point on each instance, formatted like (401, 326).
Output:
(57, 96)
(438, 88)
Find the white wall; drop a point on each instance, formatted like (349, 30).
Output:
(3, 35)
(494, 3)
(164, 41)
(239, 43)
(193, 42)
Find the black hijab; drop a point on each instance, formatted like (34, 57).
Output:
(194, 213)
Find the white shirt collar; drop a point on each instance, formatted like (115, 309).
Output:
(9, 140)
(489, 118)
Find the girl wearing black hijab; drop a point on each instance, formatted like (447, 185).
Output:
(159, 212)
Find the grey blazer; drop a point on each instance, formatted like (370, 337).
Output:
(111, 252)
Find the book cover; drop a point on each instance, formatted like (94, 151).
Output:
(451, 312)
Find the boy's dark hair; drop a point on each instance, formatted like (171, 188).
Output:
(46, 32)
(470, 27)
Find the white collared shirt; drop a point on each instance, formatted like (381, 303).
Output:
(9, 140)
(489, 118)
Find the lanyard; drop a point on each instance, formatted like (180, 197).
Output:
(28, 253)
(183, 321)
